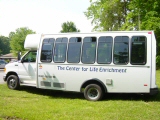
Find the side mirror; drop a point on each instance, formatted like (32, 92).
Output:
(19, 56)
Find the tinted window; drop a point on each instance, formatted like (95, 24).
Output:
(121, 50)
(46, 53)
(62, 40)
(89, 50)
(74, 50)
(60, 50)
(138, 50)
(30, 57)
(104, 53)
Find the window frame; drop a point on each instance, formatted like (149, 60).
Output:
(52, 52)
(57, 41)
(94, 50)
(111, 49)
(27, 54)
(127, 50)
(69, 48)
(145, 51)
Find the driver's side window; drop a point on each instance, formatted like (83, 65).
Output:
(30, 57)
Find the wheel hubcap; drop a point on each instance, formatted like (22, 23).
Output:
(12, 83)
(93, 93)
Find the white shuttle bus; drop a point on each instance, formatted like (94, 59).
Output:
(92, 63)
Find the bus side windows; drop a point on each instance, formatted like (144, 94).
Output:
(138, 50)
(104, 51)
(46, 52)
(60, 50)
(121, 45)
(89, 50)
(74, 50)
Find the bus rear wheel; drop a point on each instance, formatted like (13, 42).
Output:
(13, 82)
(93, 92)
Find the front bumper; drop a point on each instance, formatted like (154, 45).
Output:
(4, 78)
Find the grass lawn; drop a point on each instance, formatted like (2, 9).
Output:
(30, 103)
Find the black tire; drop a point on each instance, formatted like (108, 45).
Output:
(13, 82)
(93, 92)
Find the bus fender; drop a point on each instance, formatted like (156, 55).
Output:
(93, 81)
(11, 73)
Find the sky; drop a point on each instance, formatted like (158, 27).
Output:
(43, 16)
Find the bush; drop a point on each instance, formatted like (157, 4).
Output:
(158, 61)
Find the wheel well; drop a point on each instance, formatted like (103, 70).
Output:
(93, 81)
(10, 73)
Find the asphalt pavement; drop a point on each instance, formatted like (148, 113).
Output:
(1, 76)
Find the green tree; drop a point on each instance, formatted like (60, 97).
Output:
(126, 15)
(69, 27)
(17, 39)
(107, 15)
(11, 34)
(144, 15)
(4, 45)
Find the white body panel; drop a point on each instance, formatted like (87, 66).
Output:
(121, 81)
(32, 41)
(27, 73)
(12, 67)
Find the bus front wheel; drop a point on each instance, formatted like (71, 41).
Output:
(93, 92)
(13, 82)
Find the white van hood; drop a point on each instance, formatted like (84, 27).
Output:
(11, 67)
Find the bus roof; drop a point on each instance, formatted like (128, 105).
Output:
(32, 41)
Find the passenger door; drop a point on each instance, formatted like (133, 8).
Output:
(48, 75)
(27, 68)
